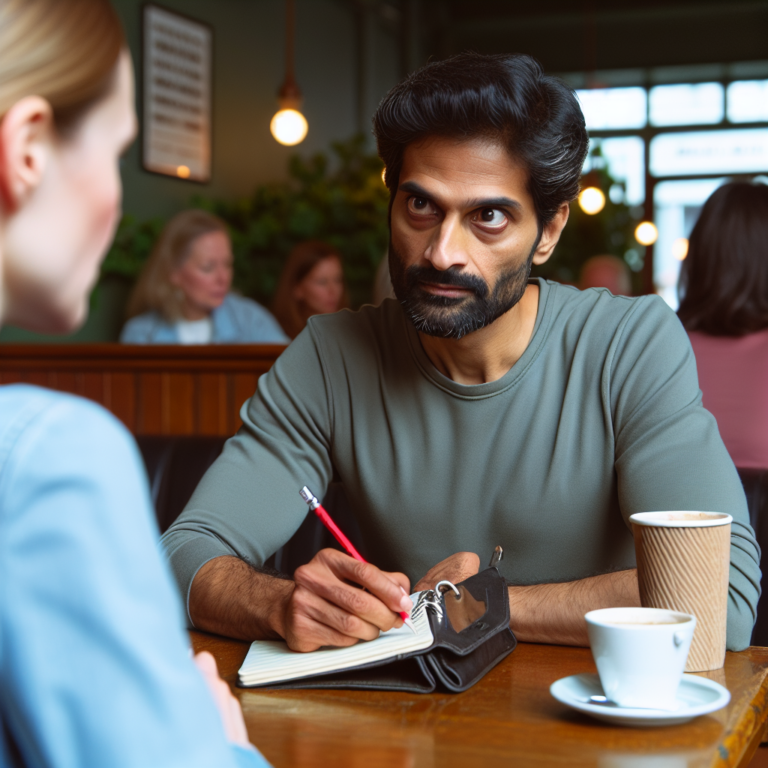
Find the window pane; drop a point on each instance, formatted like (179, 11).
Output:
(700, 104)
(734, 151)
(677, 205)
(624, 158)
(748, 101)
(614, 107)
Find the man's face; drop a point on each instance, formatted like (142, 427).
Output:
(464, 233)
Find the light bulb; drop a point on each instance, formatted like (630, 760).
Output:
(289, 127)
(646, 233)
(591, 200)
(182, 172)
(680, 248)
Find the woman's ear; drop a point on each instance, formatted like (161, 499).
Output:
(27, 134)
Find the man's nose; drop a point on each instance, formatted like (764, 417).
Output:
(448, 247)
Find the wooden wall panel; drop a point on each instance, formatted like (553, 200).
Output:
(212, 411)
(153, 390)
(178, 406)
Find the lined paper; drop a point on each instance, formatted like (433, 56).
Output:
(271, 661)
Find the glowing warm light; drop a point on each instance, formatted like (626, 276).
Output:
(289, 127)
(646, 233)
(680, 248)
(182, 172)
(384, 175)
(591, 200)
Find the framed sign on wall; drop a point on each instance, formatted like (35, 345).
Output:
(177, 81)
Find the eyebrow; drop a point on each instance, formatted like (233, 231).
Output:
(413, 188)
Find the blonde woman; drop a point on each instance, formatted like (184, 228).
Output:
(183, 293)
(94, 664)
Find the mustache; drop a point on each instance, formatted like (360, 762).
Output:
(449, 277)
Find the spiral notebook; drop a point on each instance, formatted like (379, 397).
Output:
(271, 661)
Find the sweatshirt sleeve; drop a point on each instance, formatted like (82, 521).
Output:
(93, 649)
(247, 504)
(669, 454)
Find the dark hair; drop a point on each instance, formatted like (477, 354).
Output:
(503, 97)
(724, 277)
(301, 261)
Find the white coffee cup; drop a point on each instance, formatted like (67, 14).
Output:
(640, 654)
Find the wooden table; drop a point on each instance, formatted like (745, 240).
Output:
(507, 719)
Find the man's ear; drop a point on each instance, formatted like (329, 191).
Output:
(26, 140)
(551, 234)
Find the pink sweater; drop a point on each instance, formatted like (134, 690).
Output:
(733, 376)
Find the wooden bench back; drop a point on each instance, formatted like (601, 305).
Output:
(153, 390)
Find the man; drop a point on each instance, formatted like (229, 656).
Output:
(483, 408)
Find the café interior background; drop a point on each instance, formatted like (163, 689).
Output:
(669, 148)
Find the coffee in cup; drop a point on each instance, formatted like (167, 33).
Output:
(640, 654)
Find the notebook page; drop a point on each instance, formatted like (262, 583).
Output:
(270, 661)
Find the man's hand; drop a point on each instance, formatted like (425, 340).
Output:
(455, 568)
(326, 608)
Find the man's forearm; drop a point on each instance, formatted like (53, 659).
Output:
(554, 613)
(230, 598)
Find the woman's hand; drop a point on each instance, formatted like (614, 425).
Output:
(226, 703)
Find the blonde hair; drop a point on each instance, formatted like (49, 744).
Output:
(64, 51)
(301, 261)
(154, 290)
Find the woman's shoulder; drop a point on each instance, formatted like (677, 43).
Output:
(30, 415)
(245, 320)
(241, 304)
(146, 328)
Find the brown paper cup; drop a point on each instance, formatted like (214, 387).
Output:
(683, 562)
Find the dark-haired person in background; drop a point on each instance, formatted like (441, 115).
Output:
(311, 283)
(724, 308)
(481, 408)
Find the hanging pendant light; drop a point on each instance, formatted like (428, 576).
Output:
(289, 126)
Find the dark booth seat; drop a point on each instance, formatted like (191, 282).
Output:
(176, 464)
(755, 482)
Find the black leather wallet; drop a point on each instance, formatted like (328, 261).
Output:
(470, 624)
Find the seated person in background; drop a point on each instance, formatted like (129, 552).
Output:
(182, 295)
(724, 308)
(95, 669)
(606, 271)
(481, 408)
(311, 283)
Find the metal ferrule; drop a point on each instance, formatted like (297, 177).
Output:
(310, 498)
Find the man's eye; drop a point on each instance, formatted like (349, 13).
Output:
(490, 217)
(420, 206)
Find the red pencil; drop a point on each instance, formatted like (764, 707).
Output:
(325, 518)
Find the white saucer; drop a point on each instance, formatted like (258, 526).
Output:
(695, 696)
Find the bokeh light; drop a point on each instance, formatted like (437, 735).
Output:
(646, 233)
(680, 248)
(591, 200)
(289, 127)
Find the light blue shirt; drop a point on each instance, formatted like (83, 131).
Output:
(94, 665)
(237, 321)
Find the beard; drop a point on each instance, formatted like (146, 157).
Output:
(454, 318)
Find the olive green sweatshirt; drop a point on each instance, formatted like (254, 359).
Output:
(600, 418)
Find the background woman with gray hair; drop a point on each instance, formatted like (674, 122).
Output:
(183, 293)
